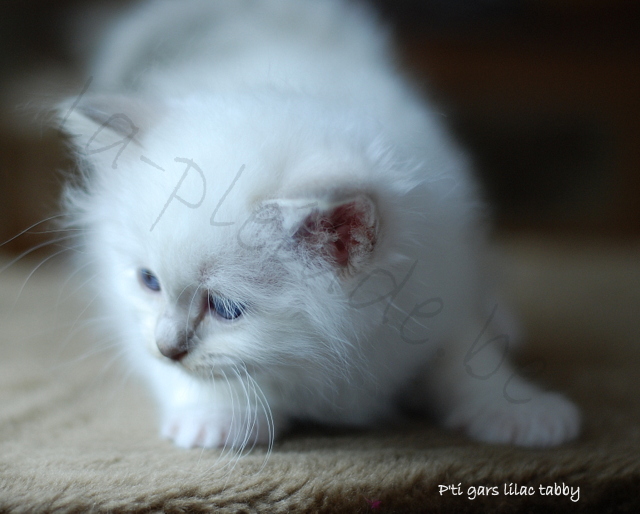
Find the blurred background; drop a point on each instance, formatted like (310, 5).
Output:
(544, 93)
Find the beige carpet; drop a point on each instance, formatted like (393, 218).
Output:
(77, 432)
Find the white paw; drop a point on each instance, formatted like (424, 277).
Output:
(548, 419)
(192, 428)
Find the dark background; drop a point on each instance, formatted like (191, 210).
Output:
(545, 94)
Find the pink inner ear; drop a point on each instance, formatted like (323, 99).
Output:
(347, 233)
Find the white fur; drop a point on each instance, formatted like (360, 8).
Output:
(297, 101)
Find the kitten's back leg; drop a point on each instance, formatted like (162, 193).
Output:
(474, 388)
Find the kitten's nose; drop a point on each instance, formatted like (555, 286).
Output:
(172, 342)
(175, 353)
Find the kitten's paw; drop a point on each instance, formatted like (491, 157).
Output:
(200, 428)
(548, 419)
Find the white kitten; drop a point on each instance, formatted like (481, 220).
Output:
(282, 230)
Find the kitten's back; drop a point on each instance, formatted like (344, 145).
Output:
(199, 44)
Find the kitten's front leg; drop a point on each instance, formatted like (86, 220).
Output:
(209, 414)
(210, 427)
(476, 389)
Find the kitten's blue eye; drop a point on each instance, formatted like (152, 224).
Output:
(225, 308)
(149, 280)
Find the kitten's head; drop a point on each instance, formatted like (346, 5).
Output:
(229, 231)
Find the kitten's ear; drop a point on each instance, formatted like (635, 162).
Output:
(105, 129)
(344, 231)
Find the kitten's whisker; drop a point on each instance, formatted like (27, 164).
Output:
(54, 230)
(57, 327)
(34, 270)
(80, 286)
(250, 416)
(187, 287)
(33, 249)
(231, 423)
(266, 409)
(86, 307)
(258, 411)
(116, 357)
(258, 407)
(237, 425)
(224, 446)
(33, 226)
(100, 347)
(127, 374)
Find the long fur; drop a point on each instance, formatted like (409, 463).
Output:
(219, 136)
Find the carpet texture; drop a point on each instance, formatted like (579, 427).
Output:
(78, 432)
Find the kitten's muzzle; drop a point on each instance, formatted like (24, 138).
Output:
(172, 342)
(174, 352)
